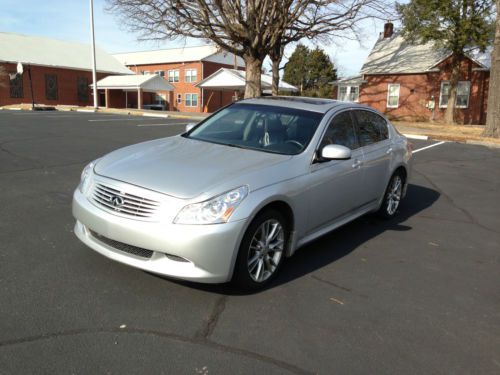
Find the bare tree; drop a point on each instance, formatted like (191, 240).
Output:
(493, 117)
(324, 21)
(251, 29)
(244, 27)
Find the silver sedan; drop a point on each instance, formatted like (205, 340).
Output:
(236, 194)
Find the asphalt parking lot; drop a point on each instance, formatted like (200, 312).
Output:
(417, 295)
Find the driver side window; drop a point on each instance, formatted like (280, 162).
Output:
(341, 132)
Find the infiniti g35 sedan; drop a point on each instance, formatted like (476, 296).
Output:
(234, 196)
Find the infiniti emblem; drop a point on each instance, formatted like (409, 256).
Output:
(117, 201)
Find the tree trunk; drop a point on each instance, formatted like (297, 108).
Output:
(492, 128)
(253, 76)
(276, 77)
(276, 55)
(449, 116)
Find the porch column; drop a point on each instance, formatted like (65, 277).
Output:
(170, 100)
(106, 98)
(139, 98)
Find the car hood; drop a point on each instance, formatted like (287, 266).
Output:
(186, 168)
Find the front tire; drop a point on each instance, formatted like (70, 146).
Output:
(392, 197)
(262, 250)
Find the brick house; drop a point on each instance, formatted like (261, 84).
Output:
(411, 81)
(61, 72)
(184, 68)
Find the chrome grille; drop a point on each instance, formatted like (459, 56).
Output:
(134, 250)
(124, 203)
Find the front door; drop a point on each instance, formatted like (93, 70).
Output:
(336, 186)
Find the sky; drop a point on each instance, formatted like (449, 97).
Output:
(69, 20)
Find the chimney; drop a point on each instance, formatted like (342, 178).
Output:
(388, 30)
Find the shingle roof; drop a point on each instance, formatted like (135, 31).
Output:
(44, 51)
(395, 55)
(176, 55)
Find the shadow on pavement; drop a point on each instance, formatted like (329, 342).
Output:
(338, 243)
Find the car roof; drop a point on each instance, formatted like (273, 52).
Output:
(320, 105)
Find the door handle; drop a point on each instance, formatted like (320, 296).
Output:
(389, 150)
(357, 163)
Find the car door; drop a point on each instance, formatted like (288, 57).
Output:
(335, 185)
(373, 135)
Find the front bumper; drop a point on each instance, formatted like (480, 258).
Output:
(210, 250)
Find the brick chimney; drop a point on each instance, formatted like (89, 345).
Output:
(388, 29)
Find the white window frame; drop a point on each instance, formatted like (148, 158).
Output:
(389, 94)
(343, 96)
(347, 97)
(445, 105)
(356, 100)
(189, 78)
(161, 73)
(173, 75)
(190, 101)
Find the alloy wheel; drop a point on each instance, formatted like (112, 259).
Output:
(394, 194)
(266, 250)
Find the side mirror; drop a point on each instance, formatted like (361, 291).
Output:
(190, 126)
(335, 152)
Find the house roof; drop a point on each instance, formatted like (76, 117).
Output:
(148, 83)
(351, 80)
(37, 50)
(395, 55)
(208, 52)
(232, 79)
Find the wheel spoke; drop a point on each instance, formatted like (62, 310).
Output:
(252, 262)
(259, 270)
(272, 233)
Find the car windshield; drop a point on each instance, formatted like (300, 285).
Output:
(260, 127)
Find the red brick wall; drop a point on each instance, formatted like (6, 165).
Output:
(182, 87)
(417, 89)
(66, 81)
(208, 100)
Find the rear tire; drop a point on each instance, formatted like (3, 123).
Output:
(392, 196)
(262, 250)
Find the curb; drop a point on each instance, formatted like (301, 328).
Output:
(452, 139)
(416, 136)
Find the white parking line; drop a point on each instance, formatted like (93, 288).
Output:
(114, 119)
(426, 147)
(172, 123)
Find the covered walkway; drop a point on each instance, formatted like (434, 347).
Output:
(135, 91)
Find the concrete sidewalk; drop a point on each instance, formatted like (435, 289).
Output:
(470, 134)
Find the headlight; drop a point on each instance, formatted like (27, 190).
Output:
(213, 211)
(85, 178)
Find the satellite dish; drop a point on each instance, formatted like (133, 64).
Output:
(20, 68)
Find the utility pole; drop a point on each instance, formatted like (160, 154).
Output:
(94, 79)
